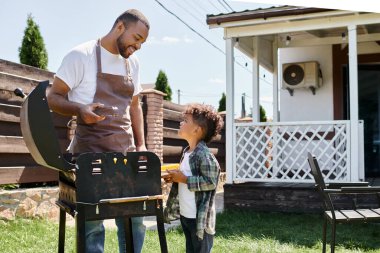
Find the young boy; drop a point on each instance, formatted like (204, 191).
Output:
(194, 184)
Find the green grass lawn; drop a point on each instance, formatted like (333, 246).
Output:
(237, 231)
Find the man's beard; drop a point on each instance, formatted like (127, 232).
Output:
(122, 48)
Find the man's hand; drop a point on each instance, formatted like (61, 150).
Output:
(177, 176)
(58, 102)
(86, 112)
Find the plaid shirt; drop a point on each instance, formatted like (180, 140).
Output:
(205, 175)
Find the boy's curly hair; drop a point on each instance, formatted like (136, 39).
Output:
(207, 118)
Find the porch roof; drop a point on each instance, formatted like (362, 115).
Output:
(294, 26)
(304, 26)
(261, 13)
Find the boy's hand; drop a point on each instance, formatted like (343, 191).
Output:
(177, 176)
(167, 178)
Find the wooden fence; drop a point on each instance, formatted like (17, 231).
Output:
(18, 166)
(16, 163)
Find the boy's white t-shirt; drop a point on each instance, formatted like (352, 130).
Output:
(79, 67)
(187, 204)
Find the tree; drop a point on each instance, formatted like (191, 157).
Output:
(222, 103)
(263, 116)
(163, 85)
(32, 51)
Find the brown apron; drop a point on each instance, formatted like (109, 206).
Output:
(114, 133)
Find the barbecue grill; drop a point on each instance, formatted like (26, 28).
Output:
(93, 186)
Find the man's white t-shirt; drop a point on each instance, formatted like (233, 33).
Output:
(187, 204)
(78, 70)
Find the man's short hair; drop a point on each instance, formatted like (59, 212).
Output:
(132, 16)
(207, 118)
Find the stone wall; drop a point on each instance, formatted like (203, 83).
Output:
(29, 203)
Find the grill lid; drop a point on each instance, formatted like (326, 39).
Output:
(38, 130)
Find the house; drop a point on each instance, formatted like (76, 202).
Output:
(326, 93)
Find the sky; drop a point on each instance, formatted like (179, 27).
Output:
(193, 66)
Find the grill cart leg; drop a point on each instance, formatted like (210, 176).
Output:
(80, 221)
(128, 234)
(161, 227)
(62, 226)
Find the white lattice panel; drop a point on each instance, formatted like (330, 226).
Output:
(278, 151)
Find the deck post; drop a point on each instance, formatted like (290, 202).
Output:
(230, 110)
(275, 79)
(255, 80)
(354, 104)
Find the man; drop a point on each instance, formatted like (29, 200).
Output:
(98, 82)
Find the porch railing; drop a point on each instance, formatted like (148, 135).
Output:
(277, 151)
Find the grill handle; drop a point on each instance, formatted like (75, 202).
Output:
(130, 199)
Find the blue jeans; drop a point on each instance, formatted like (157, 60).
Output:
(193, 243)
(95, 235)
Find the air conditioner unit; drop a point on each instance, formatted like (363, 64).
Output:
(301, 75)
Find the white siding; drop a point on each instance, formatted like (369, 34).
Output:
(303, 105)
